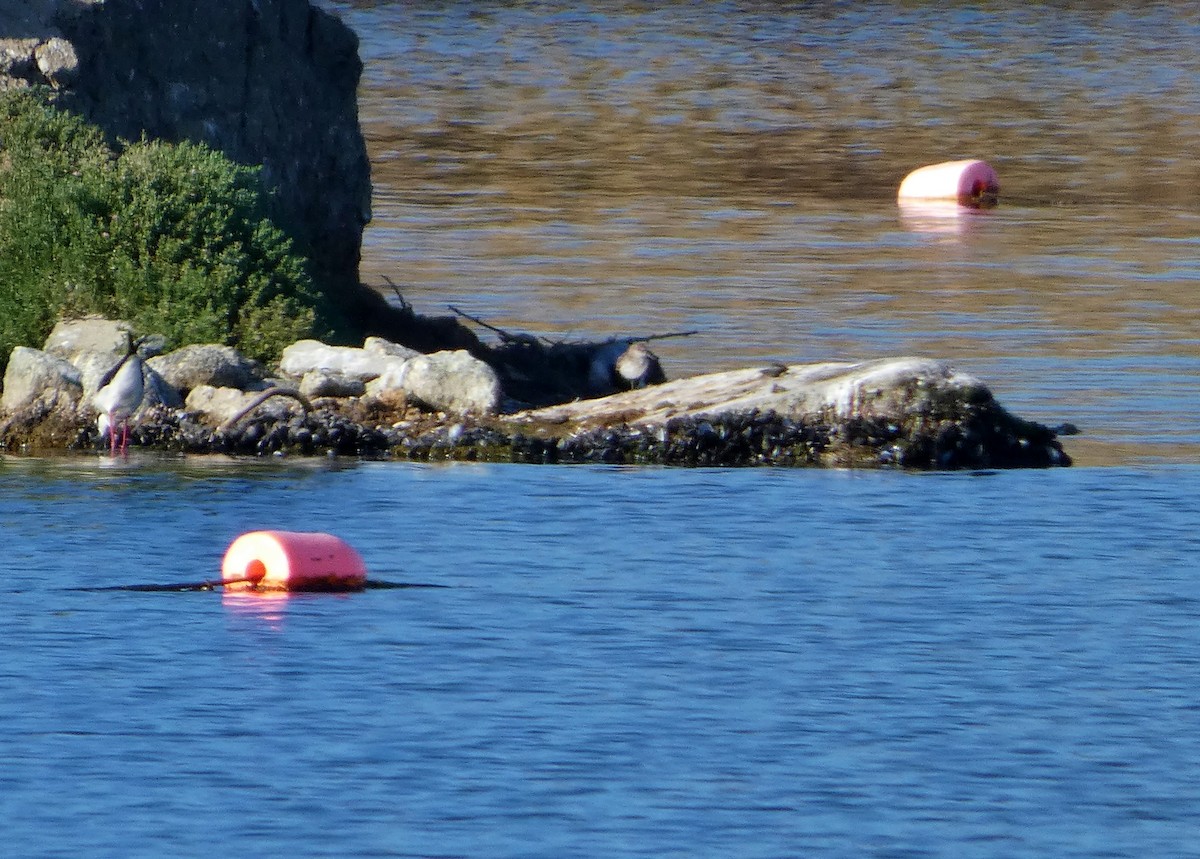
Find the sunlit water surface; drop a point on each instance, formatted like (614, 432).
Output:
(622, 662)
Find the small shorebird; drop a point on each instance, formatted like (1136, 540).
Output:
(119, 395)
(638, 367)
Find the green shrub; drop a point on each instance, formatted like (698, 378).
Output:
(172, 237)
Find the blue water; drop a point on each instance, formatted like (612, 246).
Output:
(623, 662)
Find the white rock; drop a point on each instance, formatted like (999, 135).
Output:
(57, 60)
(386, 347)
(305, 356)
(207, 364)
(454, 382)
(888, 388)
(34, 375)
(74, 337)
(390, 381)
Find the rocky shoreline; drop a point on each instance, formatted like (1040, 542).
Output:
(384, 401)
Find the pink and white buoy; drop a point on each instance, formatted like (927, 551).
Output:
(971, 183)
(275, 561)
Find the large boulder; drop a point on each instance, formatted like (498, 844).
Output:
(306, 356)
(37, 379)
(454, 382)
(41, 407)
(71, 338)
(380, 346)
(207, 364)
(888, 388)
(908, 411)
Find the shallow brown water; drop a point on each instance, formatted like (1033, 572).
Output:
(579, 172)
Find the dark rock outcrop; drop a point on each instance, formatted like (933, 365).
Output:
(270, 82)
(267, 82)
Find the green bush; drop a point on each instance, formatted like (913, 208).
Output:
(172, 237)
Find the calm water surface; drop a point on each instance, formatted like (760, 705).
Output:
(641, 662)
(623, 663)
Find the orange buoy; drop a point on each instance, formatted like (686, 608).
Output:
(292, 561)
(972, 183)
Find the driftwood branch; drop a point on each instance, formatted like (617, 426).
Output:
(508, 337)
(262, 398)
(404, 305)
(647, 338)
(504, 335)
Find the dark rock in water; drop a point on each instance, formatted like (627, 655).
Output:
(907, 412)
(980, 439)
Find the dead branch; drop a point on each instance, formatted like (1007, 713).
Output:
(508, 337)
(262, 398)
(647, 338)
(504, 335)
(404, 305)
